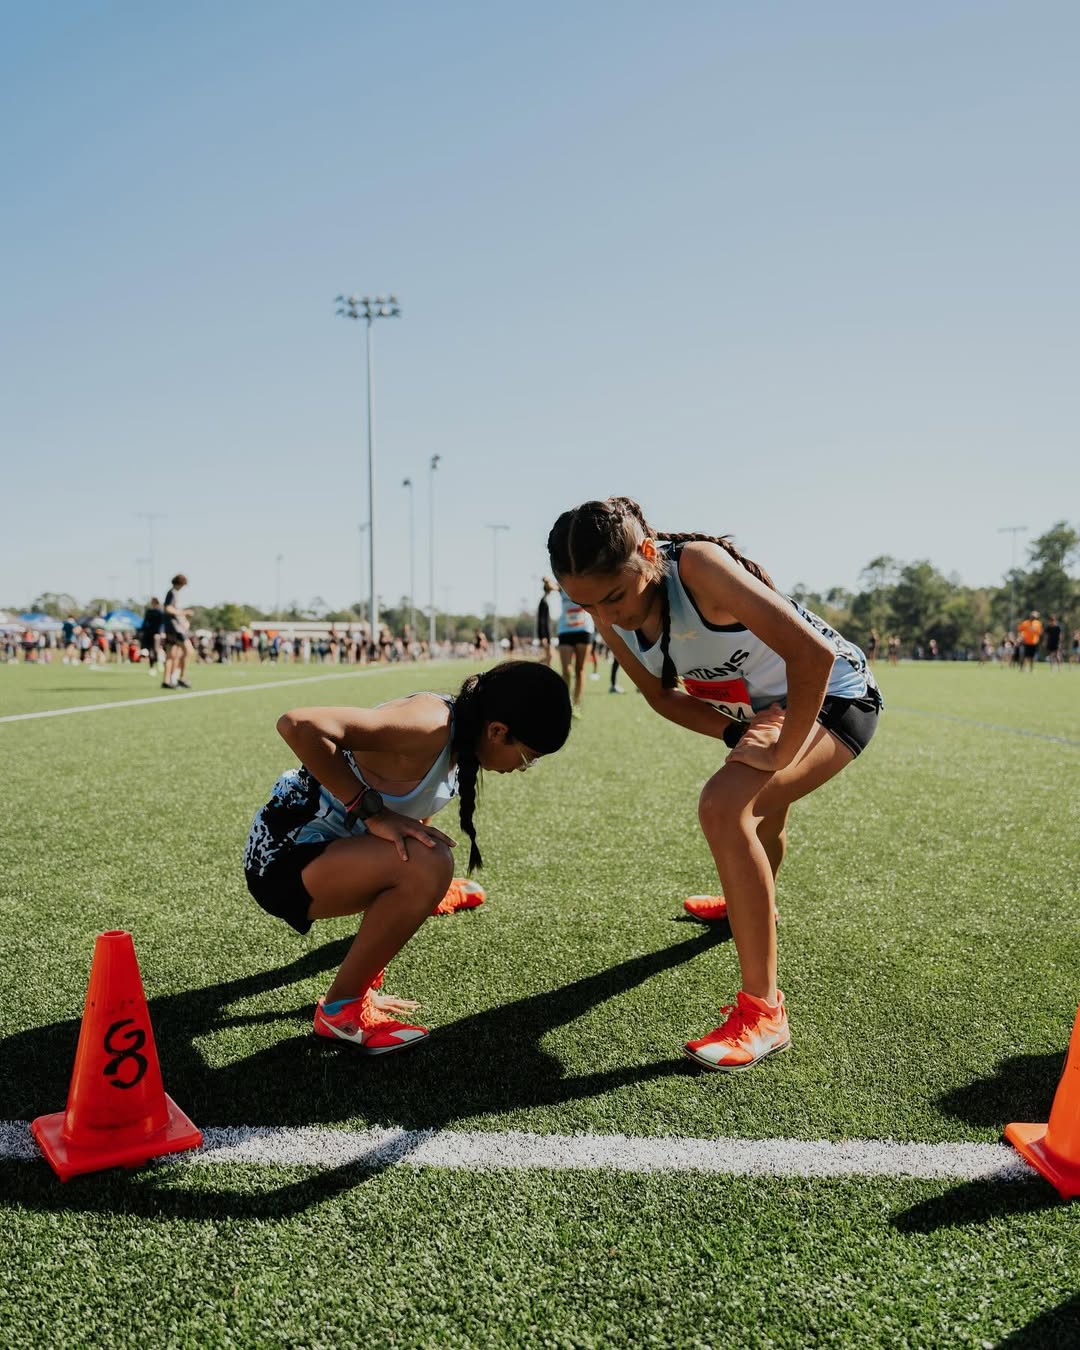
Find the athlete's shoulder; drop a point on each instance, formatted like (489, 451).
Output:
(418, 717)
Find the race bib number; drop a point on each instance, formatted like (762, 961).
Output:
(731, 697)
(575, 618)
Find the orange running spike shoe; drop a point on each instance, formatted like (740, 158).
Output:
(361, 1024)
(750, 1032)
(711, 908)
(460, 894)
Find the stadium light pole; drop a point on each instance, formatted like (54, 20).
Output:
(1014, 530)
(407, 483)
(495, 579)
(431, 554)
(361, 528)
(277, 604)
(150, 517)
(446, 593)
(350, 307)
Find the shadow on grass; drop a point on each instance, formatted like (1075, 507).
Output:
(1058, 1326)
(487, 1063)
(148, 1194)
(1021, 1088)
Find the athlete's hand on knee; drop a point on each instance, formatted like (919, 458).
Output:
(757, 745)
(396, 829)
(390, 1003)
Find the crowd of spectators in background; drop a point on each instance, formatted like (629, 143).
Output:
(88, 641)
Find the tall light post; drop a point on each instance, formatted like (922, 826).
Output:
(277, 601)
(1014, 530)
(495, 579)
(349, 307)
(361, 528)
(407, 483)
(431, 553)
(446, 593)
(150, 517)
(140, 563)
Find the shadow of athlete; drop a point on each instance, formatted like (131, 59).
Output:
(486, 1063)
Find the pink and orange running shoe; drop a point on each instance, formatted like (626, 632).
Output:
(361, 1024)
(751, 1030)
(460, 894)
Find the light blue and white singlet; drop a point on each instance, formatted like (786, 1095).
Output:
(731, 668)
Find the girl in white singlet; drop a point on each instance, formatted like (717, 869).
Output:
(714, 647)
(576, 632)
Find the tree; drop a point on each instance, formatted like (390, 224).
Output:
(1048, 587)
(919, 601)
(57, 604)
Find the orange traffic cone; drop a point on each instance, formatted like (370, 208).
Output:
(1054, 1149)
(117, 1112)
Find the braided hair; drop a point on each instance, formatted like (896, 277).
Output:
(599, 538)
(534, 703)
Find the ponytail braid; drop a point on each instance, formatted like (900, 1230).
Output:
(529, 699)
(669, 676)
(724, 540)
(467, 728)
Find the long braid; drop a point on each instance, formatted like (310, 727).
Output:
(467, 728)
(755, 569)
(669, 676)
(529, 699)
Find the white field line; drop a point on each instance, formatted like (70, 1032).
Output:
(175, 697)
(518, 1151)
(990, 726)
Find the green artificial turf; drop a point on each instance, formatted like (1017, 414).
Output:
(929, 944)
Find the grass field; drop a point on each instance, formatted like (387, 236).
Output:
(929, 946)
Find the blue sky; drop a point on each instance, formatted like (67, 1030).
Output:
(801, 273)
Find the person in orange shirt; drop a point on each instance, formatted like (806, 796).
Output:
(1030, 631)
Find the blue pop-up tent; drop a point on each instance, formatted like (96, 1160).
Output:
(41, 622)
(120, 620)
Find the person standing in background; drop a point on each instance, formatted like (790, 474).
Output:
(1053, 642)
(1030, 631)
(547, 618)
(177, 636)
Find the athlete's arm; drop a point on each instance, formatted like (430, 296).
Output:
(674, 704)
(723, 589)
(319, 736)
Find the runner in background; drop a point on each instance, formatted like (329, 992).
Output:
(576, 630)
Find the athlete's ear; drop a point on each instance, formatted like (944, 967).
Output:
(498, 733)
(647, 549)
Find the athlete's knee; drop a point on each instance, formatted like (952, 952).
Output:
(429, 869)
(773, 829)
(723, 810)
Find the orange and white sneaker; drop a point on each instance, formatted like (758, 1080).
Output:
(711, 908)
(751, 1030)
(460, 894)
(360, 1023)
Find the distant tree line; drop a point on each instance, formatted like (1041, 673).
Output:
(912, 599)
(917, 602)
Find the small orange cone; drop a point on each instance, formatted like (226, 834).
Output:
(1054, 1149)
(117, 1112)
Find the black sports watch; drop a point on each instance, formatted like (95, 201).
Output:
(368, 804)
